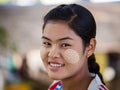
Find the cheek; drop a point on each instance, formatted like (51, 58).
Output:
(43, 53)
(71, 56)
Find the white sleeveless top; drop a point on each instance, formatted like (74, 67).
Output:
(95, 84)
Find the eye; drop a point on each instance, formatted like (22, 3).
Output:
(46, 44)
(65, 45)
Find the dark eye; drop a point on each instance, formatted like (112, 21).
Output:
(46, 44)
(65, 45)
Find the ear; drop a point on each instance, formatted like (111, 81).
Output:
(91, 47)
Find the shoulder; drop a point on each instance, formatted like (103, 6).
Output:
(56, 85)
(96, 84)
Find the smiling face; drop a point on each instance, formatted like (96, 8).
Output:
(62, 51)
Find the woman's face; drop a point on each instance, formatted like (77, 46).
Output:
(62, 51)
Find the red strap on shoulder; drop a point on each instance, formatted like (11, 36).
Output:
(103, 87)
(54, 85)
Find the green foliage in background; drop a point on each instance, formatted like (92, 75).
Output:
(4, 1)
(3, 37)
(13, 47)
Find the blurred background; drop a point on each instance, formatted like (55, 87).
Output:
(20, 32)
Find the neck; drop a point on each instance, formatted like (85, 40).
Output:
(80, 82)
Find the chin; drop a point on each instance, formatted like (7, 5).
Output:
(55, 77)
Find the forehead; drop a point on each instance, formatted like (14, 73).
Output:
(60, 27)
(56, 30)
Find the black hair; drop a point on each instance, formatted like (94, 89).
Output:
(82, 22)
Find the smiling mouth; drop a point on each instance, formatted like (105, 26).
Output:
(56, 65)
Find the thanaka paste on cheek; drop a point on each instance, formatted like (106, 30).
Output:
(71, 56)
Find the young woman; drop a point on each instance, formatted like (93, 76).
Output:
(67, 50)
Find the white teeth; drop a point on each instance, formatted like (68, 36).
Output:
(56, 65)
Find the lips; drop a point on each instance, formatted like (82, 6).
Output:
(55, 66)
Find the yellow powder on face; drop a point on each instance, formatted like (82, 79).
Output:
(71, 56)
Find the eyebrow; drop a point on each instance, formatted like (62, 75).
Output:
(61, 39)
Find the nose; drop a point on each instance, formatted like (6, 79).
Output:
(54, 52)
